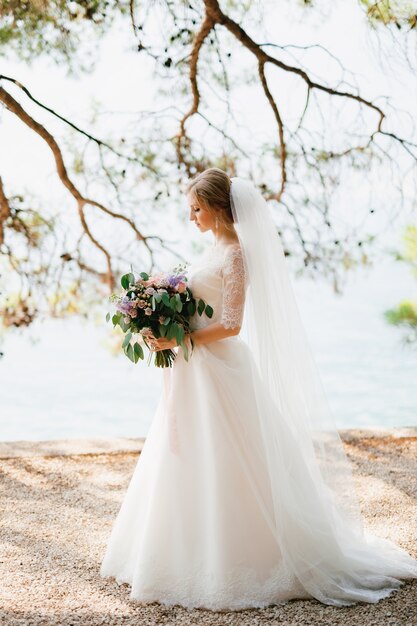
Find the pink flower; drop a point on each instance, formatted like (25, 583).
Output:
(181, 287)
(148, 311)
(149, 282)
(155, 278)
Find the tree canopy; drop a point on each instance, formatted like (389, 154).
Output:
(205, 58)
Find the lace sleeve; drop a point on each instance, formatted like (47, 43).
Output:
(234, 288)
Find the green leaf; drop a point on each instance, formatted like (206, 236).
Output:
(201, 306)
(138, 351)
(167, 321)
(209, 310)
(191, 307)
(172, 329)
(107, 317)
(130, 353)
(173, 303)
(144, 275)
(127, 279)
(179, 334)
(162, 330)
(123, 325)
(115, 319)
(127, 339)
(165, 299)
(153, 303)
(178, 302)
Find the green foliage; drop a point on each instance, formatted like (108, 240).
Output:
(399, 13)
(57, 28)
(410, 246)
(404, 315)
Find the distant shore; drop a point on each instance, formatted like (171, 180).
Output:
(60, 498)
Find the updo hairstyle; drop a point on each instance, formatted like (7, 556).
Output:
(211, 189)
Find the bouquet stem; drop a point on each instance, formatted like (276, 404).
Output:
(164, 358)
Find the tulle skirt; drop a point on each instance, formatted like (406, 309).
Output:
(197, 526)
(192, 528)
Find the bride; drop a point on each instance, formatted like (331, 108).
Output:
(242, 495)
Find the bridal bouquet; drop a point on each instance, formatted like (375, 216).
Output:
(160, 305)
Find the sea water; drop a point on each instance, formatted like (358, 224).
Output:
(58, 379)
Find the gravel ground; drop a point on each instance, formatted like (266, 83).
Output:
(58, 511)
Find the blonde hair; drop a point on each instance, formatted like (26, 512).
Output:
(211, 189)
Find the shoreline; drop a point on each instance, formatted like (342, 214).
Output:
(122, 445)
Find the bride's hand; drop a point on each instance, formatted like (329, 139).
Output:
(162, 343)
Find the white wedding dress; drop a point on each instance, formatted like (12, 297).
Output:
(196, 524)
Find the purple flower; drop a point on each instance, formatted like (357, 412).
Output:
(174, 279)
(125, 305)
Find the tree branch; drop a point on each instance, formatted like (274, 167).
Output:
(4, 210)
(13, 106)
(204, 31)
(90, 137)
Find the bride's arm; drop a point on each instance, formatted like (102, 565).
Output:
(212, 332)
(234, 290)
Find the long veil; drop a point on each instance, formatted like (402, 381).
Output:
(317, 519)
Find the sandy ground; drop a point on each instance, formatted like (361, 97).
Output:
(58, 506)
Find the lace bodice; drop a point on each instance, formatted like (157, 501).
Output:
(219, 277)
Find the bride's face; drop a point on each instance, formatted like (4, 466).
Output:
(203, 219)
